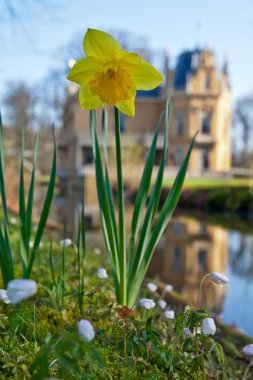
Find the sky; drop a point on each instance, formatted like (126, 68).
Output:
(30, 43)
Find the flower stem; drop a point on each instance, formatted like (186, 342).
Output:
(200, 288)
(245, 375)
(122, 239)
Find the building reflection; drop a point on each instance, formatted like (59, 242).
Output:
(186, 252)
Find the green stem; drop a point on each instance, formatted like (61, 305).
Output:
(200, 288)
(245, 375)
(122, 239)
(63, 271)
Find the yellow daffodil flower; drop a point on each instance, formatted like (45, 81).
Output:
(110, 75)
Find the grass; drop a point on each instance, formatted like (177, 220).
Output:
(212, 183)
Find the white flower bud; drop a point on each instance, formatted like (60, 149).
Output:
(102, 273)
(248, 350)
(208, 326)
(168, 288)
(162, 304)
(85, 329)
(152, 287)
(170, 314)
(66, 242)
(147, 303)
(4, 296)
(19, 290)
(71, 63)
(219, 279)
(97, 251)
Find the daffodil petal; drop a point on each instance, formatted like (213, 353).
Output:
(88, 101)
(145, 76)
(127, 58)
(100, 45)
(84, 70)
(127, 106)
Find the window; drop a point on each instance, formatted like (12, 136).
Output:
(202, 260)
(202, 229)
(204, 159)
(87, 155)
(176, 258)
(122, 123)
(207, 82)
(180, 123)
(179, 155)
(177, 228)
(206, 122)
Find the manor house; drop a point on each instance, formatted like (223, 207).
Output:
(201, 101)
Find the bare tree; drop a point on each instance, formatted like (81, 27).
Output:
(51, 95)
(244, 122)
(19, 103)
(19, 20)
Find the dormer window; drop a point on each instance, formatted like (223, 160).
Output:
(195, 61)
(206, 122)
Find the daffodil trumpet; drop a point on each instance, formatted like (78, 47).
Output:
(109, 75)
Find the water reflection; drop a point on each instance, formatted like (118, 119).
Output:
(237, 307)
(186, 252)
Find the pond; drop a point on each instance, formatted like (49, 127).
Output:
(188, 250)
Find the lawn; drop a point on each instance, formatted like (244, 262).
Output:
(212, 183)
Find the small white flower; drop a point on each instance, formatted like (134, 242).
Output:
(97, 251)
(147, 303)
(248, 350)
(102, 273)
(19, 290)
(162, 304)
(152, 287)
(85, 329)
(219, 279)
(31, 244)
(168, 288)
(190, 334)
(208, 326)
(4, 296)
(13, 220)
(66, 242)
(170, 314)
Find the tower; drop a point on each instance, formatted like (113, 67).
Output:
(201, 101)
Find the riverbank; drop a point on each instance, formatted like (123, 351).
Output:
(216, 195)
